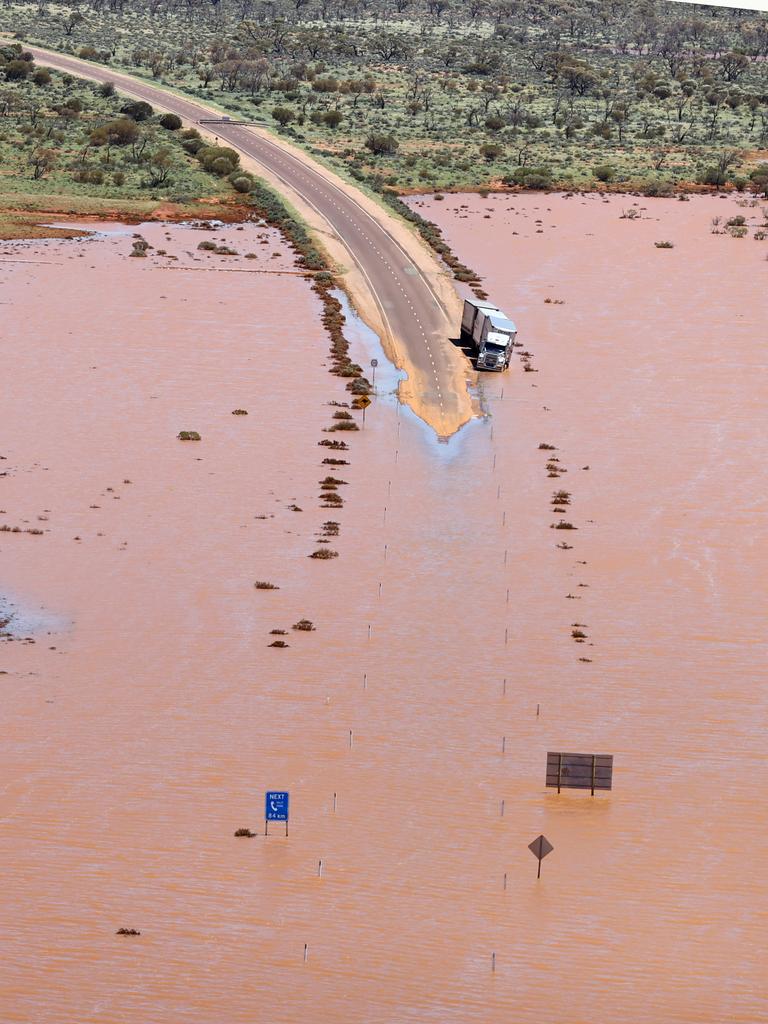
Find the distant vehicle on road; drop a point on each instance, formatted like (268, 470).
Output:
(491, 332)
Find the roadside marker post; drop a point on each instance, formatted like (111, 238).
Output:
(374, 364)
(275, 808)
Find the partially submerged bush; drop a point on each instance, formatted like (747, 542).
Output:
(303, 626)
(265, 585)
(188, 435)
(324, 553)
(244, 833)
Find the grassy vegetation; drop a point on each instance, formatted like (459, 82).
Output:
(68, 147)
(442, 94)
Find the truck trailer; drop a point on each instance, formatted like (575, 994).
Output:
(490, 331)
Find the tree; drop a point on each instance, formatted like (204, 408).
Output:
(42, 161)
(382, 145)
(71, 21)
(333, 119)
(718, 174)
(284, 115)
(734, 65)
(160, 164)
(120, 132)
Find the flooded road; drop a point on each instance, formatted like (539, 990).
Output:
(138, 737)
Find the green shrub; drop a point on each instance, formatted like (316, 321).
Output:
(604, 172)
(529, 177)
(382, 145)
(242, 183)
(172, 122)
(137, 110)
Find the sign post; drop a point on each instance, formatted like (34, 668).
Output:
(275, 808)
(374, 364)
(540, 848)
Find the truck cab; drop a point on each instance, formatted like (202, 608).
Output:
(491, 332)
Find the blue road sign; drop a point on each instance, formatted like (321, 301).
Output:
(275, 805)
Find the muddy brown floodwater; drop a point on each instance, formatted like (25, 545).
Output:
(145, 722)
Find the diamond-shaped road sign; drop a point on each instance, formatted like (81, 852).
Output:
(540, 848)
(362, 402)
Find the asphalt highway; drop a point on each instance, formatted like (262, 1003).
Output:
(410, 307)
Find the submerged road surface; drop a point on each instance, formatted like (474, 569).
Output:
(395, 282)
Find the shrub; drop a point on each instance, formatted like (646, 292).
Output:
(41, 77)
(324, 553)
(137, 110)
(656, 188)
(382, 145)
(303, 626)
(284, 115)
(188, 435)
(242, 183)
(239, 412)
(529, 177)
(604, 172)
(265, 585)
(119, 132)
(332, 119)
(171, 122)
(17, 70)
(244, 833)
(759, 178)
(218, 159)
(106, 89)
(490, 151)
(664, 245)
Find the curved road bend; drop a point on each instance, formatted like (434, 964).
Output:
(410, 308)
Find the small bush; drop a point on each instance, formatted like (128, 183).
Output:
(324, 553)
(171, 122)
(562, 525)
(242, 183)
(244, 833)
(137, 110)
(265, 585)
(604, 172)
(664, 245)
(188, 435)
(303, 626)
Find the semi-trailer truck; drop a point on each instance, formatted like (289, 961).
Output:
(490, 331)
